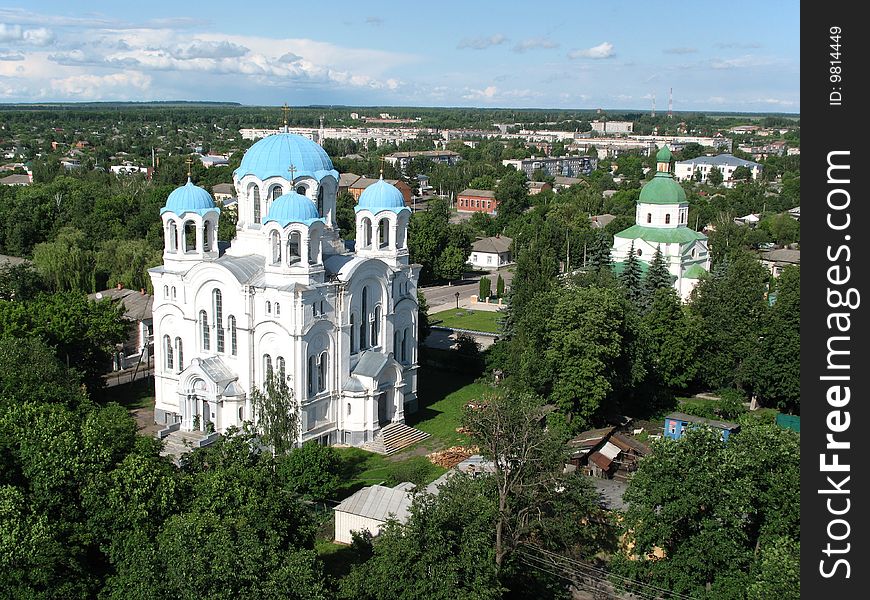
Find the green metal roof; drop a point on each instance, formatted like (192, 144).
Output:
(695, 272)
(664, 155)
(675, 235)
(619, 267)
(662, 189)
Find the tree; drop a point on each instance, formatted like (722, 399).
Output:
(276, 414)
(774, 367)
(444, 551)
(451, 263)
(714, 177)
(127, 262)
(671, 340)
(631, 277)
(512, 195)
(700, 496)
(742, 173)
(345, 215)
(20, 282)
(730, 305)
(310, 471)
(499, 286)
(657, 276)
(30, 372)
(67, 262)
(423, 327)
(484, 291)
(535, 499)
(599, 252)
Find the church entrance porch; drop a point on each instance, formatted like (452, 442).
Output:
(383, 419)
(210, 398)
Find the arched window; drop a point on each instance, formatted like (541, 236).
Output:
(301, 190)
(282, 369)
(190, 236)
(405, 344)
(275, 192)
(367, 233)
(352, 336)
(276, 247)
(173, 292)
(257, 216)
(217, 301)
(267, 366)
(384, 233)
(294, 248)
(320, 202)
(167, 350)
(348, 409)
(173, 237)
(396, 344)
(322, 371)
(234, 341)
(667, 218)
(649, 217)
(376, 327)
(207, 235)
(179, 348)
(166, 292)
(639, 251)
(312, 376)
(277, 309)
(203, 324)
(364, 317)
(241, 414)
(268, 307)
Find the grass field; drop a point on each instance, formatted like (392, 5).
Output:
(463, 318)
(443, 396)
(138, 394)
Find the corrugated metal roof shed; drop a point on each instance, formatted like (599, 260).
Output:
(378, 502)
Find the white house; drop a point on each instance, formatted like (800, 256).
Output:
(285, 298)
(661, 223)
(491, 252)
(726, 163)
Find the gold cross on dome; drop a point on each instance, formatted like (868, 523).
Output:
(292, 170)
(189, 162)
(286, 110)
(382, 161)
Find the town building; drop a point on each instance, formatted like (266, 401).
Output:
(779, 258)
(223, 192)
(357, 188)
(491, 252)
(568, 166)
(16, 179)
(536, 187)
(605, 127)
(684, 170)
(605, 453)
(285, 299)
(661, 223)
(401, 160)
(138, 306)
(471, 200)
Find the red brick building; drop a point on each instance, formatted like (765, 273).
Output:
(470, 200)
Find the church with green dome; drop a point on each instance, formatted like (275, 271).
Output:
(661, 222)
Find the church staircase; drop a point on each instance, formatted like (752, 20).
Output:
(178, 443)
(394, 437)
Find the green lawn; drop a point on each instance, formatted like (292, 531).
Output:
(463, 318)
(442, 397)
(138, 394)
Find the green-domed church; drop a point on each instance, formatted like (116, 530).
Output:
(661, 222)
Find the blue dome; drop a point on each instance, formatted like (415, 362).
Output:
(273, 155)
(381, 196)
(189, 198)
(292, 208)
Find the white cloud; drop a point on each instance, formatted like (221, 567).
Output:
(11, 56)
(208, 49)
(534, 43)
(603, 50)
(481, 43)
(680, 50)
(741, 62)
(743, 45)
(39, 36)
(96, 87)
(374, 21)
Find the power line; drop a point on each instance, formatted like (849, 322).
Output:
(585, 568)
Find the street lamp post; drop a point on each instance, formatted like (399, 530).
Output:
(457, 299)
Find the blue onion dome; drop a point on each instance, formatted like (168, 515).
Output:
(381, 196)
(292, 208)
(189, 198)
(273, 156)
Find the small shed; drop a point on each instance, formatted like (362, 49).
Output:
(369, 509)
(677, 423)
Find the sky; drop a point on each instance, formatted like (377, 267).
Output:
(716, 56)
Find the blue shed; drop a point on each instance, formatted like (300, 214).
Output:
(677, 423)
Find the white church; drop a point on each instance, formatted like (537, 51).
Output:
(286, 297)
(661, 221)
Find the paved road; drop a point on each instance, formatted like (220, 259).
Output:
(443, 297)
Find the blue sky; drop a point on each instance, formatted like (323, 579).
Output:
(717, 56)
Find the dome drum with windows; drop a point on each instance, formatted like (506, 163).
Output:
(190, 221)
